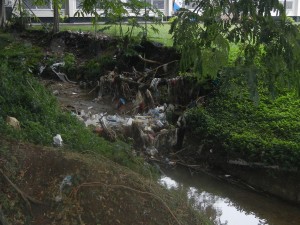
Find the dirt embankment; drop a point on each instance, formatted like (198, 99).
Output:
(51, 186)
(155, 70)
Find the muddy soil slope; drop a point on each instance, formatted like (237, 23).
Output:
(42, 186)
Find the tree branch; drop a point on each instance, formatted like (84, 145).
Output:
(24, 196)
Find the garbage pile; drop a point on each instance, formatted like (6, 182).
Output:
(150, 131)
(142, 114)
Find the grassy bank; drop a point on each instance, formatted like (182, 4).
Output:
(267, 133)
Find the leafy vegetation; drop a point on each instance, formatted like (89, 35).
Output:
(96, 67)
(268, 133)
(245, 52)
(116, 12)
(205, 38)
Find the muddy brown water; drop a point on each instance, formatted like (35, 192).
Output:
(227, 204)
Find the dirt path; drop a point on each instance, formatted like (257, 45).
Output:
(74, 98)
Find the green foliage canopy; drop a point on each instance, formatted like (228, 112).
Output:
(117, 11)
(269, 47)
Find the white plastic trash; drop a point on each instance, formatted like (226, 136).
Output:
(129, 122)
(152, 151)
(159, 123)
(57, 140)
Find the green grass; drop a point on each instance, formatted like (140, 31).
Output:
(163, 36)
(5, 39)
(267, 133)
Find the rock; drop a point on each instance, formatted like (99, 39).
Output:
(12, 121)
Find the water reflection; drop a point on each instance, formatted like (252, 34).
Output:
(227, 204)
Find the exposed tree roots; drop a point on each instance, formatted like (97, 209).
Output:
(97, 184)
(27, 199)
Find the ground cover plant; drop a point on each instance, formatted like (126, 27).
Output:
(236, 128)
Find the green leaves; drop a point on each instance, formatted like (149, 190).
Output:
(269, 47)
(116, 12)
(204, 49)
(267, 133)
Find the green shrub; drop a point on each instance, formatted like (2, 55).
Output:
(95, 68)
(267, 133)
(70, 64)
(21, 56)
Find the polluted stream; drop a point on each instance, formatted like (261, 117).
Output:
(222, 202)
(228, 204)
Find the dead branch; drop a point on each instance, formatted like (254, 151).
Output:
(181, 150)
(93, 89)
(163, 65)
(97, 184)
(119, 78)
(148, 60)
(196, 167)
(27, 199)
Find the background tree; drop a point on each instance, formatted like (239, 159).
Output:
(118, 11)
(268, 48)
(56, 12)
(2, 14)
(56, 5)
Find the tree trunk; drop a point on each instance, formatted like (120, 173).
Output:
(55, 17)
(2, 14)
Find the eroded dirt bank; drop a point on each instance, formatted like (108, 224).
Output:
(48, 186)
(124, 89)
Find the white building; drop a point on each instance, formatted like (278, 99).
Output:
(292, 8)
(70, 7)
(166, 6)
